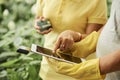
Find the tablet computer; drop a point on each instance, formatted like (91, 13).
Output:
(49, 53)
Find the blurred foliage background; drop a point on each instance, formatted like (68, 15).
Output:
(16, 29)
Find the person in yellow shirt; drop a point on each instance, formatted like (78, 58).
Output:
(83, 16)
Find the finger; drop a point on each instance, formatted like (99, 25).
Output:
(63, 44)
(38, 31)
(57, 44)
(66, 45)
(47, 31)
(42, 18)
(37, 27)
(43, 32)
(50, 29)
(69, 44)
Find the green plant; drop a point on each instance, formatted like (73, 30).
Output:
(109, 6)
(16, 29)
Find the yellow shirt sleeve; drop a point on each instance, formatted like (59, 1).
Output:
(99, 13)
(87, 70)
(86, 46)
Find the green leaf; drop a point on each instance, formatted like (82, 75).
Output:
(18, 41)
(9, 63)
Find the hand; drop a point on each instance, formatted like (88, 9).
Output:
(38, 28)
(66, 39)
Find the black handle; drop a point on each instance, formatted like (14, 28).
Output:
(23, 49)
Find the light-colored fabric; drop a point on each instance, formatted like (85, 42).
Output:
(74, 14)
(110, 37)
(86, 46)
(68, 15)
(87, 70)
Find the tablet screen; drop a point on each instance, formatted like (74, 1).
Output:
(48, 53)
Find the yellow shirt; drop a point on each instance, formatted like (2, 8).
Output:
(64, 15)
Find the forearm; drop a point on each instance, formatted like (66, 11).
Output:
(93, 27)
(82, 36)
(89, 32)
(85, 46)
(88, 70)
(91, 69)
(110, 63)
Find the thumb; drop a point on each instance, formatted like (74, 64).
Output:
(57, 44)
